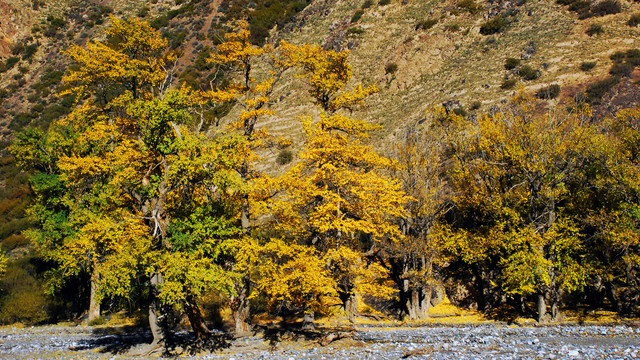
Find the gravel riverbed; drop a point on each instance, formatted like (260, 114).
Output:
(487, 341)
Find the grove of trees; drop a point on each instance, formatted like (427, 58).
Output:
(142, 192)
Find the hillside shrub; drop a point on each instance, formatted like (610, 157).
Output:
(357, 15)
(621, 69)
(494, 25)
(633, 57)
(594, 29)
(549, 92)
(528, 73)
(475, 105)
(426, 24)
(453, 27)
(367, 4)
(606, 7)
(595, 91)
(618, 56)
(384, 2)
(284, 157)
(9, 63)
(354, 30)
(390, 68)
(508, 84)
(511, 63)
(634, 20)
(469, 5)
(588, 65)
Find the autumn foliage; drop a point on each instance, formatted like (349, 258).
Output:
(143, 194)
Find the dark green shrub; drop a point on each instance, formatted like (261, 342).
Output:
(508, 84)
(384, 2)
(453, 27)
(606, 7)
(354, 30)
(549, 92)
(9, 63)
(633, 57)
(594, 29)
(618, 56)
(469, 5)
(390, 68)
(143, 12)
(367, 4)
(357, 15)
(595, 91)
(511, 63)
(426, 24)
(528, 73)
(634, 20)
(460, 112)
(587, 65)
(475, 105)
(494, 26)
(284, 157)
(621, 69)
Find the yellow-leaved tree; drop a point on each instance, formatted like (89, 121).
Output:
(145, 192)
(515, 178)
(338, 199)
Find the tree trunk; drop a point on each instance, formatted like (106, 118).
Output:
(425, 304)
(94, 305)
(240, 306)
(417, 303)
(200, 329)
(351, 306)
(308, 321)
(555, 311)
(155, 316)
(542, 308)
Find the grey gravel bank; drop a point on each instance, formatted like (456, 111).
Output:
(491, 341)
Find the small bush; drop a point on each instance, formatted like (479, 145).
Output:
(426, 24)
(633, 57)
(366, 4)
(594, 29)
(528, 73)
(595, 91)
(453, 27)
(587, 65)
(143, 12)
(606, 7)
(634, 20)
(494, 26)
(618, 56)
(470, 6)
(354, 30)
(460, 112)
(357, 15)
(284, 157)
(390, 68)
(475, 105)
(384, 2)
(511, 63)
(101, 320)
(508, 84)
(621, 69)
(549, 92)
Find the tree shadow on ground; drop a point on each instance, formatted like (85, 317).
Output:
(294, 332)
(124, 339)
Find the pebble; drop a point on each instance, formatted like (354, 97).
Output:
(433, 342)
